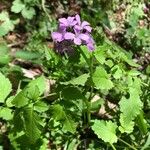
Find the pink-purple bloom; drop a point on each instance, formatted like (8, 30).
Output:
(72, 30)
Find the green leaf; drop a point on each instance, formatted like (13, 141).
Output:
(27, 55)
(126, 107)
(5, 87)
(100, 55)
(31, 122)
(105, 130)
(117, 72)
(5, 58)
(28, 13)
(40, 83)
(17, 6)
(101, 79)
(20, 99)
(40, 106)
(72, 93)
(81, 80)
(18, 125)
(6, 113)
(96, 105)
(59, 114)
(7, 24)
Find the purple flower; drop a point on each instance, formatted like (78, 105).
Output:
(82, 25)
(69, 22)
(59, 36)
(72, 30)
(78, 38)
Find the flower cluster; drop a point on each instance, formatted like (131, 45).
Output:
(72, 30)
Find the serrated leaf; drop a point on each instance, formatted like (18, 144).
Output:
(100, 55)
(96, 104)
(39, 83)
(101, 79)
(105, 130)
(117, 72)
(20, 99)
(72, 93)
(5, 87)
(130, 108)
(40, 106)
(18, 125)
(31, 122)
(7, 24)
(81, 80)
(27, 55)
(6, 113)
(59, 114)
(28, 13)
(17, 6)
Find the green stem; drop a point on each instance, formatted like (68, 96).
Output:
(87, 101)
(142, 123)
(132, 147)
(113, 147)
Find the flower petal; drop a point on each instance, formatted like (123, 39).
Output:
(88, 28)
(77, 41)
(69, 36)
(56, 36)
(77, 29)
(78, 19)
(90, 46)
(84, 23)
(63, 21)
(70, 19)
(84, 37)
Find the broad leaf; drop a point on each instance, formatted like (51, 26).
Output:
(130, 108)
(81, 80)
(40, 106)
(105, 130)
(28, 12)
(5, 88)
(59, 114)
(7, 24)
(6, 113)
(20, 99)
(39, 83)
(17, 6)
(31, 122)
(101, 79)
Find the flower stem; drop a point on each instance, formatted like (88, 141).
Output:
(113, 147)
(132, 147)
(87, 101)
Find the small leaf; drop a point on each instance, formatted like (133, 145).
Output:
(105, 130)
(40, 106)
(100, 55)
(101, 79)
(39, 82)
(59, 114)
(17, 6)
(81, 80)
(96, 105)
(5, 88)
(72, 93)
(6, 113)
(20, 99)
(7, 24)
(28, 13)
